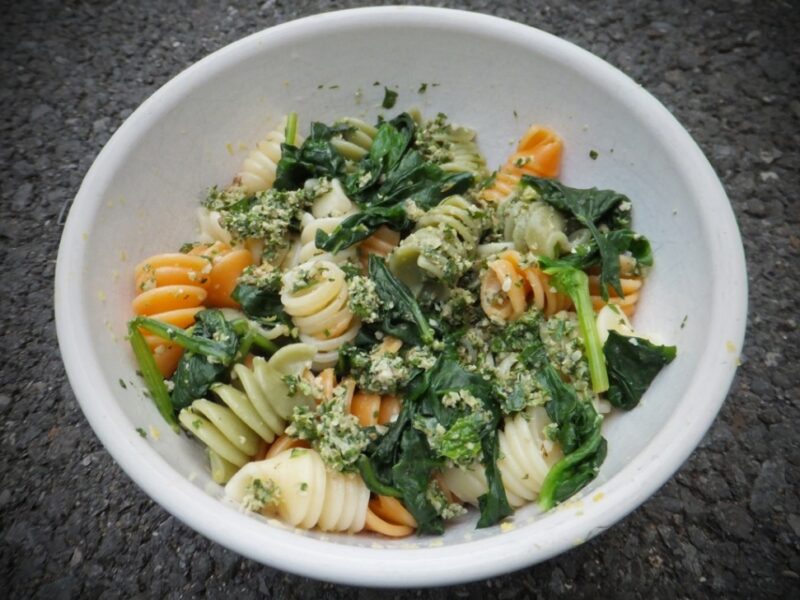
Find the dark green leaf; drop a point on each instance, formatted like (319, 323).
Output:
(494, 503)
(633, 363)
(397, 300)
(258, 302)
(315, 158)
(588, 206)
(360, 226)
(389, 98)
(578, 433)
(195, 372)
(412, 475)
(373, 482)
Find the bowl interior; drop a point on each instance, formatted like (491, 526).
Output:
(141, 196)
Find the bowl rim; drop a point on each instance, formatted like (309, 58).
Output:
(425, 566)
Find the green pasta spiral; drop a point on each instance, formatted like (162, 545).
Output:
(451, 147)
(355, 143)
(442, 247)
(254, 411)
(533, 226)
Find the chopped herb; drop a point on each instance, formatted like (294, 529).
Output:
(389, 98)
(683, 323)
(422, 88)
(593, 154)
(141, 432)
(122, 384)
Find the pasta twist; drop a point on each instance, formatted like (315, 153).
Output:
(538, 153)
(308, 494)
(526, 455)
(370, 409)
(327, 211)
(355, 143)
(315, 295)
(453, 148)
(211, 230)
(170, 288)
(250, 414)
(259, 169)
(341, 495)
(630, 288)
(508, 289)
(381, 243)
(442, 247)
(533, 226)
(226, 265)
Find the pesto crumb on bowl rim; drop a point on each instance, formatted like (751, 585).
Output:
(187, 112)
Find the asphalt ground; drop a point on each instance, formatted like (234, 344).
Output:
(71, 522)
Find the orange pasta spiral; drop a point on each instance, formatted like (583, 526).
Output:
(630, 288)
(174, 287)
(170, 288)
(380, 243)
(508, 289)
(538, 153)
(227, 265)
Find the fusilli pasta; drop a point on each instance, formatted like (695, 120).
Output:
(526, 457)
(538, 153)
(442, 246)
(508, 288)
(253, 413)
(315, 294)
(355, 143)
(260, 167)
(533, 226)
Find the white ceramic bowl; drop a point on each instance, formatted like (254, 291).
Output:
(494, 75)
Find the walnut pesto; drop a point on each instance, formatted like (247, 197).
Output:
(332, 431)
(261, 495)
(363, 300)
(268, 216)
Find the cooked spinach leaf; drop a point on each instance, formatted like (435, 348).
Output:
(196, 372)
(575, 283)
(398, 303)
(493, 504)
(360, 226)
(412, 475)
(258, 301)
(389, 98)
(578, 433)
(589, 207)
(316, 157)
(633, 363)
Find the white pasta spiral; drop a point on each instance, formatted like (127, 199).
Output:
(526, 455)
(534, 226)
(308, 494)
(253, 412)
(442, 247)
(327, 212)
(355, 143)
(211, 230)
(315, 295)
(260, 167)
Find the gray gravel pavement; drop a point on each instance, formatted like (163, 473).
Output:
(71, 522)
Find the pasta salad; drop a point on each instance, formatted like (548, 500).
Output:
(373, 332)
